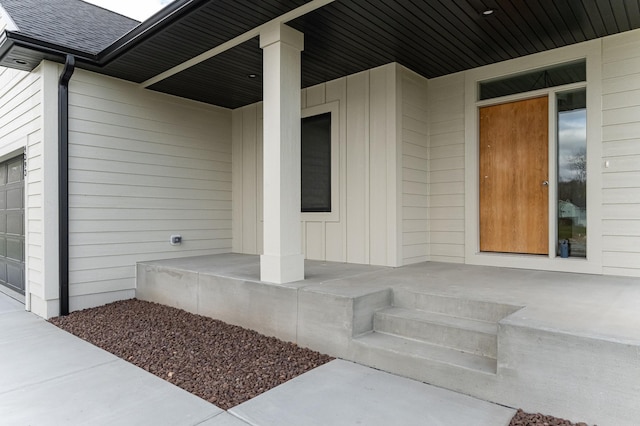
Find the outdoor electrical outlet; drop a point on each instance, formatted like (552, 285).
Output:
(176, 240)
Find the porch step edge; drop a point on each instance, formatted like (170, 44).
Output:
(465, 323)
(453, 305)
(474, 336)
(402, 347)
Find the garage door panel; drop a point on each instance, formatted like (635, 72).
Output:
(14, 198)
(15, 223)
(15, 249)
(15, 276)
(3, 174)
(15, 172)
(3, 272)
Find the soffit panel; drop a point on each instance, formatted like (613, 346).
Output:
(203, 28)
(431, 37)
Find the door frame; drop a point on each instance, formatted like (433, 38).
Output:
(591, 52)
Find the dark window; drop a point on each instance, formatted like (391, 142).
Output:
(559, 75)
(316, 163)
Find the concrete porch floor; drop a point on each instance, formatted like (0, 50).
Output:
(570, 346)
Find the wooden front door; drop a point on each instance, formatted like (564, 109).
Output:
(514, 189)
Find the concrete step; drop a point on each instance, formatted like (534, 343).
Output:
(407, 356)
(469, 335)
(452, 306)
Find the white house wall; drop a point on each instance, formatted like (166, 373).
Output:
(414, 145)
(446, 168)
(363, 227)
(21, 128)
(142, 166)
(621, 151)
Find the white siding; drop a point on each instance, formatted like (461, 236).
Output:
(364, 229)
(415, 171)
(142, 166)
(621, 149)
(20, 129)
(446, 168)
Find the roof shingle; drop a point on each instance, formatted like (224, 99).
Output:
(71, 23)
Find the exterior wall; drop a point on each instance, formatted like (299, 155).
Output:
(363, 225)
(21, 129)
(414, 139)
(621, 154)
(446, 168)
(142, 166)
(614, 162)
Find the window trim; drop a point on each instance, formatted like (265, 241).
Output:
(334, 214)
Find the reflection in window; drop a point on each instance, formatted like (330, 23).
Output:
(572, 173)
(316, 163)
(554, 76)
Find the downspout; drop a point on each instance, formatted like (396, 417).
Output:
(63, 181)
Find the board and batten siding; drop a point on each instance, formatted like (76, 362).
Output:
(363, 228)
(414, 140)
(621, 151)
(142, 166)
(446, 168)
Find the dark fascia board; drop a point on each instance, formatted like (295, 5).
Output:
(58, 53)
(47, 48)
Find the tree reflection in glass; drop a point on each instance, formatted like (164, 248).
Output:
(572, 171)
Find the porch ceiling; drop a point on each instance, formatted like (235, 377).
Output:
(431, 37)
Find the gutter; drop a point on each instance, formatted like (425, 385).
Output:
(148, 28)
(63, 181)
(56, 52)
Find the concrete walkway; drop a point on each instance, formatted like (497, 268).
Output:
(49, 377)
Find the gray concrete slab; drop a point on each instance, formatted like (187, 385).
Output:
(344, 393)
(49, 377)
(223, 419)
(44, 355)
(598, 314)
(116, 393)
(7, 304)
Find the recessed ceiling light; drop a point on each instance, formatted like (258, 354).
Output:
(488, 12)
(20, 62)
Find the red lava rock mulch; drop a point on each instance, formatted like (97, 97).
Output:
(526, 419)
(221, 363)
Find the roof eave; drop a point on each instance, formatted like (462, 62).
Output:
(12, 42)
(148, 28)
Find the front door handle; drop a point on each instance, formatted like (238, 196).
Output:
(545, 183)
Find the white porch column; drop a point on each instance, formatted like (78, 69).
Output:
(283, 260)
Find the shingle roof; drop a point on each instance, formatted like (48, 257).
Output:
(70, 23)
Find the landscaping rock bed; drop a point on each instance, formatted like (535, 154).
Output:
(221, 363)
(527, 419)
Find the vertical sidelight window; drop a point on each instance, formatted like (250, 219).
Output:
(572, 173)
(316, 163)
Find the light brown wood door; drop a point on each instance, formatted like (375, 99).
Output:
(514, 190)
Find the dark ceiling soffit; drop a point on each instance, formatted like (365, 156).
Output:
(147, 29)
